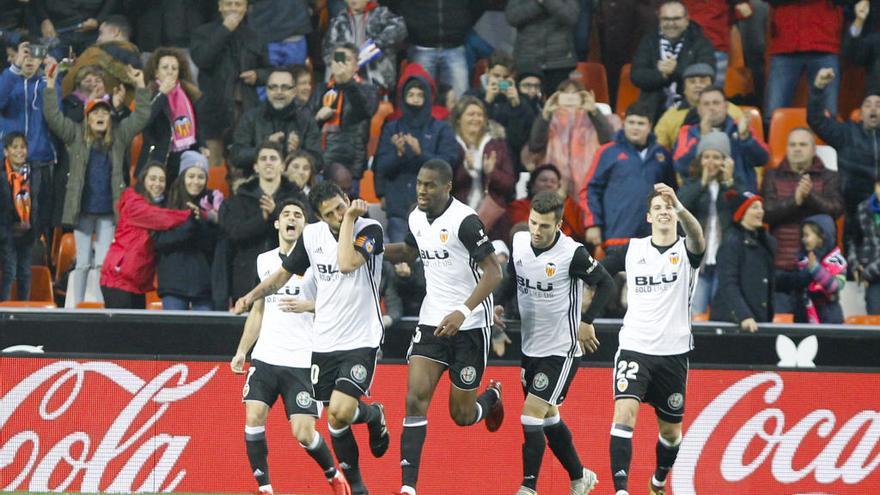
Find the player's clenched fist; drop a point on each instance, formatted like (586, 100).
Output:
(237, 364)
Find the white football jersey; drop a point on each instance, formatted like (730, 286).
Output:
(659, 289)
(285, 338)
(451, 274)
(347, 311)
(549, 297)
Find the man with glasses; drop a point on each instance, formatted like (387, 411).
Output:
(663, 56)
(277, 119)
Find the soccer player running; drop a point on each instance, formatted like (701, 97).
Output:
(455, 317)
(344, 252)
(651, 363)
(548, 268)
(281, 325)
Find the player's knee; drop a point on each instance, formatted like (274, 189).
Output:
(671, 432)
(461, 415)
(415, 404)
(304, 432)
(625, 415)
(255, 418)
(340, 415)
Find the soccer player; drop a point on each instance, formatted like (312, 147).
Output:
(456, 314)
(651, 363)
(548, 267)
(281, 325)
(345, 253)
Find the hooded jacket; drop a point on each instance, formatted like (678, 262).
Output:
(185, 256)
(615, 192)
(261, 122)
(396, 175)
(823, 282)
(439, 112)
(385, 28)
(130, 264)
(249, 235)
(784, 216)
(21, 109)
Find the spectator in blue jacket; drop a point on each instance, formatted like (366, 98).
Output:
(747, 151)
(626, 169)
(404, 146)
(21, 109)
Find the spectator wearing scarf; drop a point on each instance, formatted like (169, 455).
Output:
(16, 214)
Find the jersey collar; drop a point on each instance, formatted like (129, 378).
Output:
(448, 204)
(539, 252)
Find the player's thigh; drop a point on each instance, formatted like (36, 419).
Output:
(423, 374)
(668, 388)
(631, 375)
(356, 370)
(255, 413)
(626, 411)
(297, 392)
(303, 427)
(469, 356)
(548, 378)
(536, 407)
(259, 392)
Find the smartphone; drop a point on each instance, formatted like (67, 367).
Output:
(503, 85)
(38, 51)
(569, 99)
(339, 56)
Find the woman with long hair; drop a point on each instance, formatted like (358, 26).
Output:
(130, 266)
(95, 152)
(300, 170)
(186, 253)
(174, 121)
(485, 181)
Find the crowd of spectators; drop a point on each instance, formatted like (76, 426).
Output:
(104, 102)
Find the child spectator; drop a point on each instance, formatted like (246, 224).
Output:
(95, 151)
(822, 272)
(186, 253)
(376, 31)
(300, 170)
(866, 256)
(130, 266)
(16, 218)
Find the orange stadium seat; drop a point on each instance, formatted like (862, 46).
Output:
(66, 255)
(385, 109)
(368, 188)
(217, 179)
(90, 305)
(783, 318)
(863, 320)
(41, 285)
(757, 120)
(781, 123)
(627, 92)
(594, 78)
(28, 304)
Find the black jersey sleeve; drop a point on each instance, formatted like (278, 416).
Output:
(473, 235)
(410, 239)
(615, 260)
(368, 241)
(584, 267)
(297, 262)
(694, 259)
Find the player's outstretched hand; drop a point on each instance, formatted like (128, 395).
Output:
(357, 208)
(450, 324)
(242, 305)
(587, 338)
(237, 364)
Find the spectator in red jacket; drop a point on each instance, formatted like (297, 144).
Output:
(130, 266)
(547, 178)
(804, 36)
(798, 188)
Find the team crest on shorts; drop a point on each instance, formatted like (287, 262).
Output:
(303, 399)
(444, 236)
(622, 384)
(540, 382)
(468, 375)
(358, 373)
(550, 269)
(675, 401)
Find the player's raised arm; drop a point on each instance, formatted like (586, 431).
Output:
(695, 242)
(271, 285)
(348, 258)
(248, 337)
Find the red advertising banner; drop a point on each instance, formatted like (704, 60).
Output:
(126, 426)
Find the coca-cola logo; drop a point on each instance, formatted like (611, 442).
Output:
(87, 457)
(845, 445)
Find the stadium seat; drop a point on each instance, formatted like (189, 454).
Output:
(700, 317)
(781, 124)
(56, 242)
(217, 179)
(41, 285)
(594, 78)
(90, 305)
(368, 187)
(757, 121)
(828, 156)
(66, 255)
(627, 92)
(738, 79)
(28, 304)
(783, 318)
(135, 147)
(385, 109)
(863, 320)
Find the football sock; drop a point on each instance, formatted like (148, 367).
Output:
(320, 452)
(621, 454)
(532, 449)
(560, 442)
(257, 452)
(415, 428)
(366, 413)
(346, 448)
(666, 454)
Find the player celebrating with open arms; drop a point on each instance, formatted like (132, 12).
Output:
(548, 267)
(651, 363)
(281, 326)
(456, 315)
(344, 251)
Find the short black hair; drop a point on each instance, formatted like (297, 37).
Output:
(345, 45)
(270, 145)
(442, 167)
(538, 171)
(282, 70)
(639, 109)
(298, 70)
(322, 192)
(667, 2)
(10, 138)
(502, 58)
(547, 202)
(120, 23)
(287, 202)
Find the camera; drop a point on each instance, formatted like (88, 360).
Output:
(503, 85)
(38, 51)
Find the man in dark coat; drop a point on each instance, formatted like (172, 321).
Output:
(545, 37)
(663, 56)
